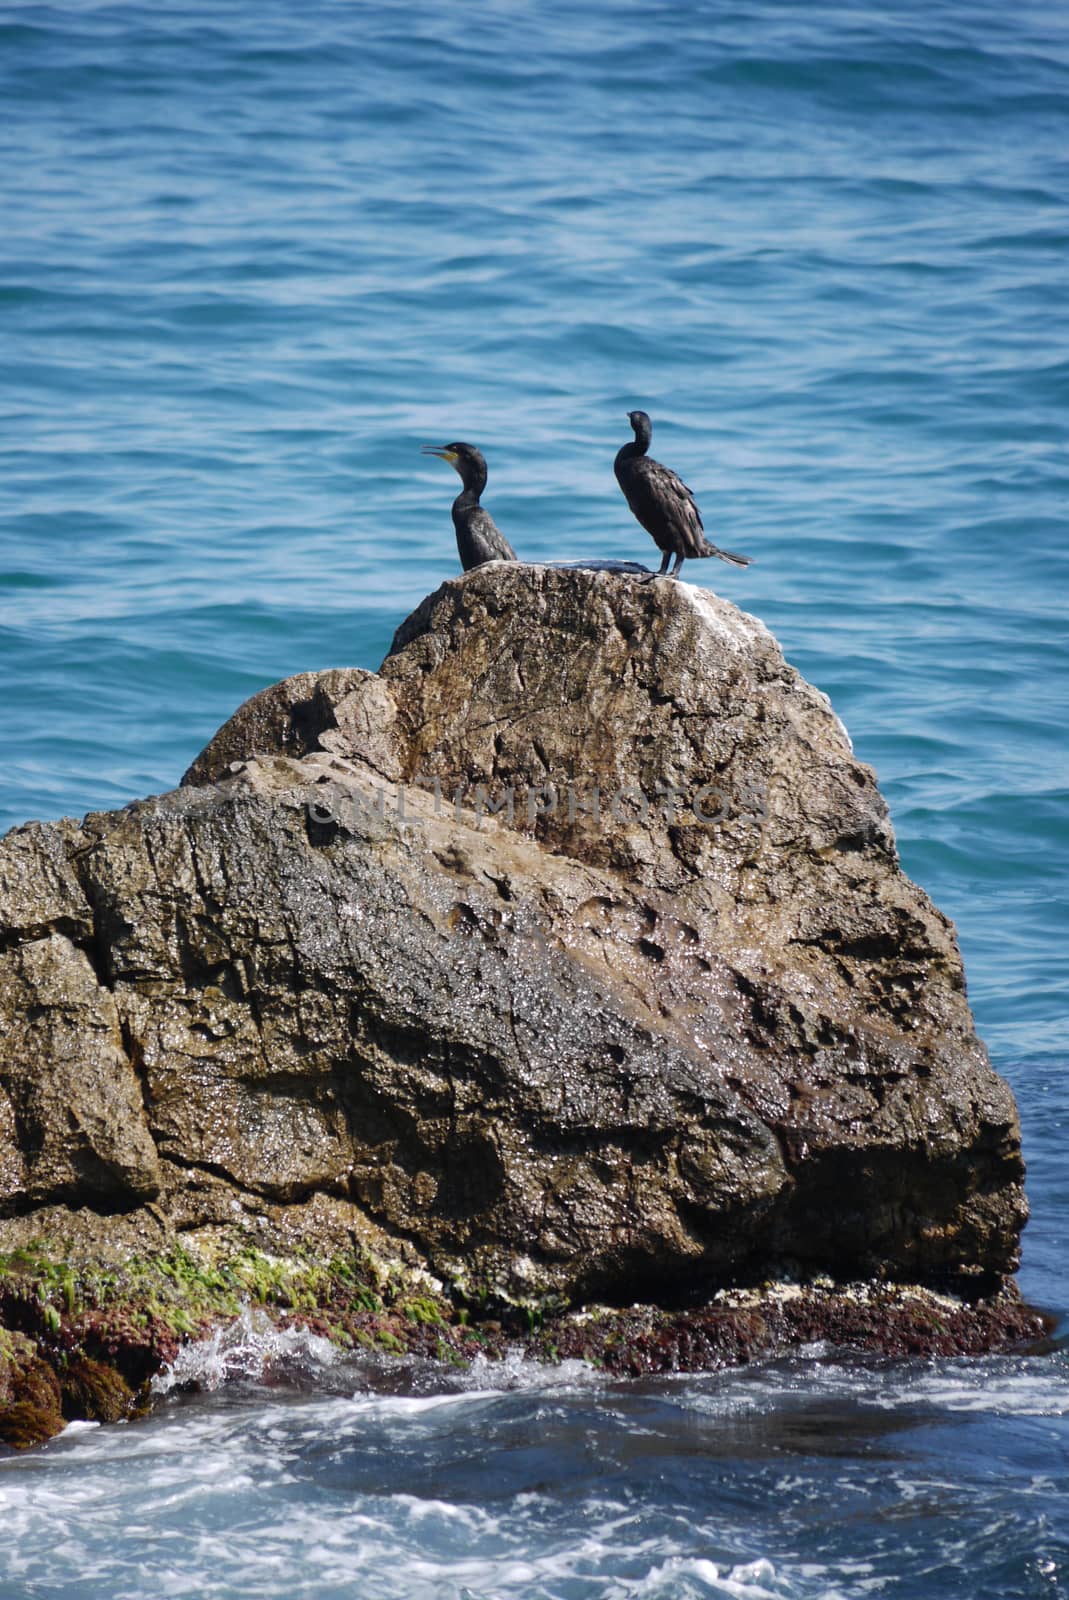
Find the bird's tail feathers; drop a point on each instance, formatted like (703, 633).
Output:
(726, 555)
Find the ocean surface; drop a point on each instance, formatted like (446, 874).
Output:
(251, 258)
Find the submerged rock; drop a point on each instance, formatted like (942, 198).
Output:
(569, 954)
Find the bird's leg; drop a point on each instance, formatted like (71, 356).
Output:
(675, 569)
(664, 563)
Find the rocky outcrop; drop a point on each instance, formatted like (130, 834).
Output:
(569, 954)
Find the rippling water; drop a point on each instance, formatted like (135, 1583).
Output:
(252, 258)
(794, 1479)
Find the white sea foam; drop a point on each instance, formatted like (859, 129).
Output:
(247, 1348)
(1000, 1385)
(681, 1577)
(518, 1371)
(1015, 1386)
(451, 1497)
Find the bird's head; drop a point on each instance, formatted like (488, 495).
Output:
(464, 459)
(642, 425)
(457, 454)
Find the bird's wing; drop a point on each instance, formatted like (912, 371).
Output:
(669, 505)
(486, 540)
(494, 538)
(681, 490)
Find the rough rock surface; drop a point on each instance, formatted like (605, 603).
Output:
(570, 951)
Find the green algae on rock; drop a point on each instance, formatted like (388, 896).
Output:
(87, 1343)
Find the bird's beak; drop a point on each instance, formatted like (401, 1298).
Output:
(440, 451)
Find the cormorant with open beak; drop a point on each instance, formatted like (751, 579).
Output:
(479, 538)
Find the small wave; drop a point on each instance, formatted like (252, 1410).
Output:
(681, 1577)
(517, 1371)
(253, 1350)
(250, 1349)
(1023, 1387)
(1027, 1386)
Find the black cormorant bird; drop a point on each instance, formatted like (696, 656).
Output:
(479, 538)
(662, 502)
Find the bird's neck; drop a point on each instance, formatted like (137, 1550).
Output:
(474, 480)
(468, 497)
(631, 452)
(641, 442)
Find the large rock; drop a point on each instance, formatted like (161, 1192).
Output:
(571, 948)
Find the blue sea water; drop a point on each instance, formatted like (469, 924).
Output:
(251, 257)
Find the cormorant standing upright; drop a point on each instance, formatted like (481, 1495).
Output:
(479, 538)
(662, 502)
